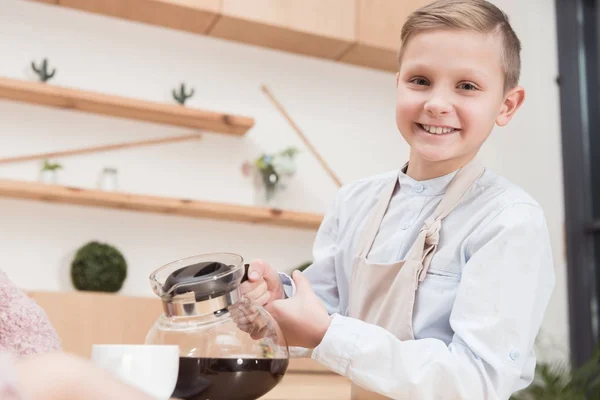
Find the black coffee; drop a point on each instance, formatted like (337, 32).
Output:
(227, 378)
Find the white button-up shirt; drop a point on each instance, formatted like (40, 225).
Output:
(479, 309)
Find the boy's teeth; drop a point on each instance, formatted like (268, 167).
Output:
(437, 129)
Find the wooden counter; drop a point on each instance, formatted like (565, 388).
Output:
(84, 318)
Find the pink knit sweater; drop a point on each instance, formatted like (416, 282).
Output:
(24, 330)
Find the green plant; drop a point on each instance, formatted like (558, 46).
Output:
(557, 381)
(42, 71)
(98, 267)
(50, 166)
(181, 96)
(272, 167)
(304, 265)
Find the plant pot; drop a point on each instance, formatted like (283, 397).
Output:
(49, 176)
(268, 187)
(108, 180)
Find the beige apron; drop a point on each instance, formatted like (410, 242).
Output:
(384, 294)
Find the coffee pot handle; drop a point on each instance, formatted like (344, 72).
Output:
(245, 277)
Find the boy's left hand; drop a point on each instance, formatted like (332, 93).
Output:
(303, 318)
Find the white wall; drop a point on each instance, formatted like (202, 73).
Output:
(346, 111)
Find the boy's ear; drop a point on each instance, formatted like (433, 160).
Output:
(512, 101)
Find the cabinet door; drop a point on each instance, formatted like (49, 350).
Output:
(379, 24)
(195, 16)
(320, 28)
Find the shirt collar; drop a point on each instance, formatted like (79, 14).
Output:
(429, 187)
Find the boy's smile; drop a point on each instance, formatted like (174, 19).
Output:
(437, 129)
(450, 93)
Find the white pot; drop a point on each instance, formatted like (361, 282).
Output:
(108, 180)
(264, 198)
(49, 176)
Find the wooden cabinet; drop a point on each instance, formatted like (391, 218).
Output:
(361, 32)
(378, 28)
(195, 16)
(318, 28)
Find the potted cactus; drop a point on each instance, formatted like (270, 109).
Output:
(181, 95)
(42, 71)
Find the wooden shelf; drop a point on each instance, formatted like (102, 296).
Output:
(159, 205)
(92, 102)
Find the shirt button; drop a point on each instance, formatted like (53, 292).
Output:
(419, 188)
(405, 226)
(514, 355)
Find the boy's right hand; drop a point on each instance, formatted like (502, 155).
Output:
(263, 285)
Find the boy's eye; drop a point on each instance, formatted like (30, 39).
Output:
(419, 81)
(467, 86)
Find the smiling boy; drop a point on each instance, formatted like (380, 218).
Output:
(430, 281)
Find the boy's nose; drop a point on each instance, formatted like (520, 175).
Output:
(437, 106)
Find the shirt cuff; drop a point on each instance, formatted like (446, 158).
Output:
(338, 346)
(289, 287)
(299, 352)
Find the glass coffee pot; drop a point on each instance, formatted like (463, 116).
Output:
(229, 348)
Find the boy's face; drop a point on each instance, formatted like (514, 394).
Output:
(450, 93)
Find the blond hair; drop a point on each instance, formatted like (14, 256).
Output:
(475, 15)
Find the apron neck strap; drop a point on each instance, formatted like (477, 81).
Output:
(374, 221)
(424, 248)
(458, 187)
(460, 184)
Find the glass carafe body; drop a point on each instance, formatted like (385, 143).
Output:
(229, 347)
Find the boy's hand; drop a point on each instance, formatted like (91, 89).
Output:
(263, 285)
(303, 318)
(253, 320)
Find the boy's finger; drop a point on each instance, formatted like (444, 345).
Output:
(302, 284)
(257, 291)
(257, 270)
(263, 299)
(249, 286)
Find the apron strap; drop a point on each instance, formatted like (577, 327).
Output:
(374, 221)
(428, 239)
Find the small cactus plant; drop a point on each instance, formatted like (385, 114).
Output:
(181, 96)
(43, 70)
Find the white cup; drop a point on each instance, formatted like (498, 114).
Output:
(151, 368)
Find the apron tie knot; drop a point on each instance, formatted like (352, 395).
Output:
(432, 238)
(432, 231)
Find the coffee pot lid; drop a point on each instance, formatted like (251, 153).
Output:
(205, 276)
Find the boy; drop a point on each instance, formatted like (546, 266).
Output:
(429, 282)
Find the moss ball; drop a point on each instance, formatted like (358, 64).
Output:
(98, 267)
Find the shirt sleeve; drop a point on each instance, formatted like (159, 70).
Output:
(505, 288)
